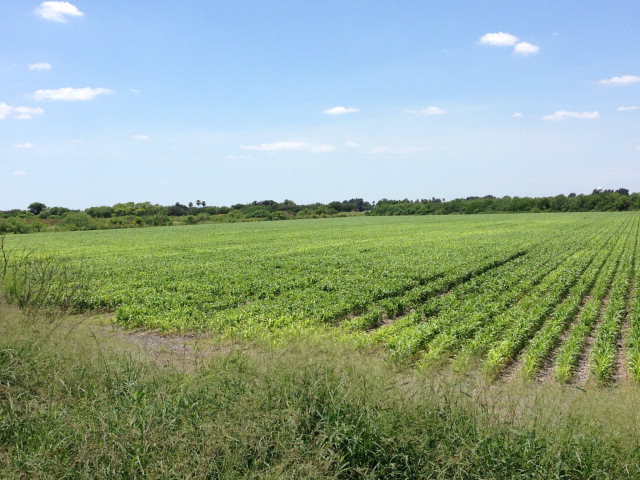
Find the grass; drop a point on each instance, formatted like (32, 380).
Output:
(79, 403)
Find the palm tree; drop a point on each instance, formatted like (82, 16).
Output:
(198, 202)
(190, 204)
(203, 203)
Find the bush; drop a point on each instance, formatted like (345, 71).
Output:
(21, 225)
(77, 221)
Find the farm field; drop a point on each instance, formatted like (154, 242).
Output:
(550, 297)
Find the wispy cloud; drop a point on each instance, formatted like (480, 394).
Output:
(140, 136)
(503, 39)
(40, 66)
(71, 94)
(26, 113)
(340, 110)
(290, 146)
(57, 11)
(630, 108)
(563, 114)
(619, 81)
(19, 113)
(525, 48)
(351, 144)
(381, 149)
(432, 110)
(517, 115)
(24, 146)
(499, 39)
(20, 173)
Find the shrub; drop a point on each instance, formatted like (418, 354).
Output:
(77, 221)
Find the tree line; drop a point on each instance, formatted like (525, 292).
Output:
(40, 217)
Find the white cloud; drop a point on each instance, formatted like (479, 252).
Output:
(381, 149)
(525, 48)
(26, 113)
(432, 110)
(499, 39)
(622, 80)
(57, 11)
(517, 115)
(629, 108)
(563, 114)
(20, 113)
(503, 39)
(20, 173)
(5, 110)
(140, 136)
(340, 110)
(351, 144)
(290, 146)
(40, 66)
(70, 94)
(24, 146)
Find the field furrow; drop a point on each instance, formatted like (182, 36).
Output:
(516, 337)
(579, 339)
(482, 323)
(536, 306)
(548, 337)
(604, 354)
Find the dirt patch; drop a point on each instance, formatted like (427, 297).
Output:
(184, 350)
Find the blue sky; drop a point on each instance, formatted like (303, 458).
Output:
(105, 102)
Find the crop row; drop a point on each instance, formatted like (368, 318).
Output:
(454, 326)
(493, 287)
(549, 336)
(604, 353)
(570, 351)
(524, 328)
(533, 309)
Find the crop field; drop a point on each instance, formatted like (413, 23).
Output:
(544, 296)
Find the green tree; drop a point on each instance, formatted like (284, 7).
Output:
(36, 207)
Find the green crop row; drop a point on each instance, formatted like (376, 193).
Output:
(605, 350)
(569, 353)
(426, 289)
(548, 337)
(505, 349)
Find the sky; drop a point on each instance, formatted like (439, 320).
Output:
(113, 101)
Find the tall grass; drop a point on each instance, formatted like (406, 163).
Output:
(75, 404)
(41, 285)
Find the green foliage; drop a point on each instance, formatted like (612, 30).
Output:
(74, 405)
(38, 285)
(77, 221)
(492, 289)
(600, 201)
(36, 207)
(28, 224)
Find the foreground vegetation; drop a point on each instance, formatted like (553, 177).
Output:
(538, 296)
(83, 403)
